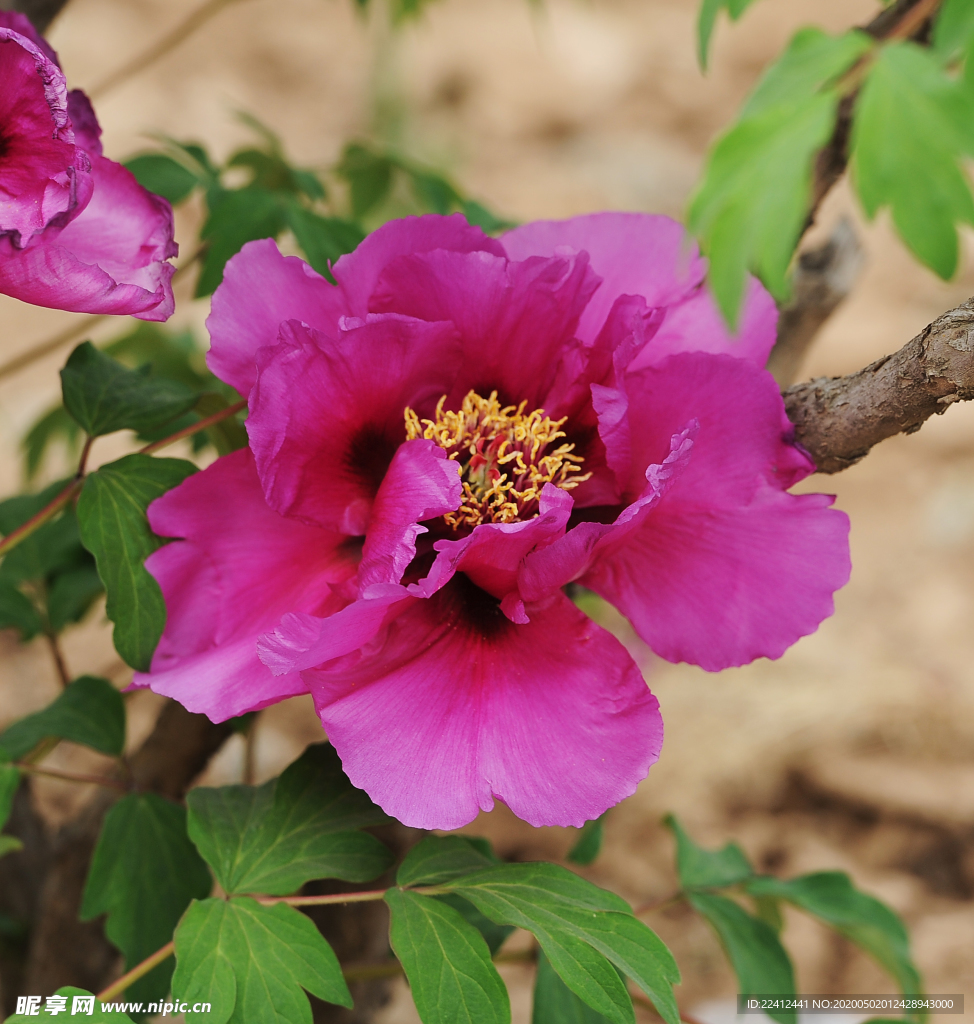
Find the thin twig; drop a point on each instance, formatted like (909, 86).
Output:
(37, 520)
(161, 47)
(195, 428)
(57, 654)
(648, 908)
(79, 777)
(138, 971)
(52, 344)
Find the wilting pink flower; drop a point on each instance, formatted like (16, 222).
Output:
(77, 231)
(438, 445)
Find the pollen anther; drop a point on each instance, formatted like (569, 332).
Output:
(503, 455)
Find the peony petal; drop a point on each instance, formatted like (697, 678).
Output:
(721, 587)
(727, 567)
(514, 319)
(421, 483)
(696, 325)
(87, 130)
(326, 415)
(260, 290)
(633, 253)
(38, 179)
(358, 272)
(457, 706)
(111, 258)
(239, 568)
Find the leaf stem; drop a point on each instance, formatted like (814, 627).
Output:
(80, 777)
(319, 901)
(40, 518)
(195, 428)
(83, 459)
(118, 987)
(59, 664)
(914, 18)
(389, 969)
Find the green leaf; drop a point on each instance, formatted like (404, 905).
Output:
(437, 859)
(589, 843)
(446, 962)
(483, 218)
(71, 594)
(236, 218)
(53, 548)
(323, 239)
(751, 207)
(709, 10)
(578, 926)
(9, 781)
(54, 425)
(707, 869)
(90, 711)
(369, 176)
(759, 960)
(433, 191)
(99, 1014)
(104, 396)
(554, 1001)
(162, 175)
(251, 962)
(114, 528)
(954, 28)
(144, 873)
(274, 838)
(495, 935)
(912, 127)
(812, 60)
(17, 611)
(768, 908)
(864, 920)
(9, 844)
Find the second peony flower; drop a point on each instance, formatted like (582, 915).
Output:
(440, 443)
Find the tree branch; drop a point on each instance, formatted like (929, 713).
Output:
(839, 419)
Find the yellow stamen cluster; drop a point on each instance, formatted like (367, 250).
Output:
(503, 455)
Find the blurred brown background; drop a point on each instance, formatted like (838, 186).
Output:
(856, 749)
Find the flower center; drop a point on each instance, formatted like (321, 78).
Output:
(505, 454)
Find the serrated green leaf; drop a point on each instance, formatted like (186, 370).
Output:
(555, 1003)
(144, 873)
(751, 206)
(437, 859)
(71, 594)
(114, 528)
(103, 396)
(17, 611)
(9, 781)
(446, 962)
(236, 218)
(162, 175)
(369, 177)
(831, 897)
(954, 28)
(580, 928)
(912, 126)
(250, 963)
(274, 838)
(323, 239)
(709, 10)
(99, 1014)
(759, 960)
(811, 60)
(707, 869)
(90, 711)
(589, 843)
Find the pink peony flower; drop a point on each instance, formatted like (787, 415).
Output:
(438, 445)
(77, 231)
